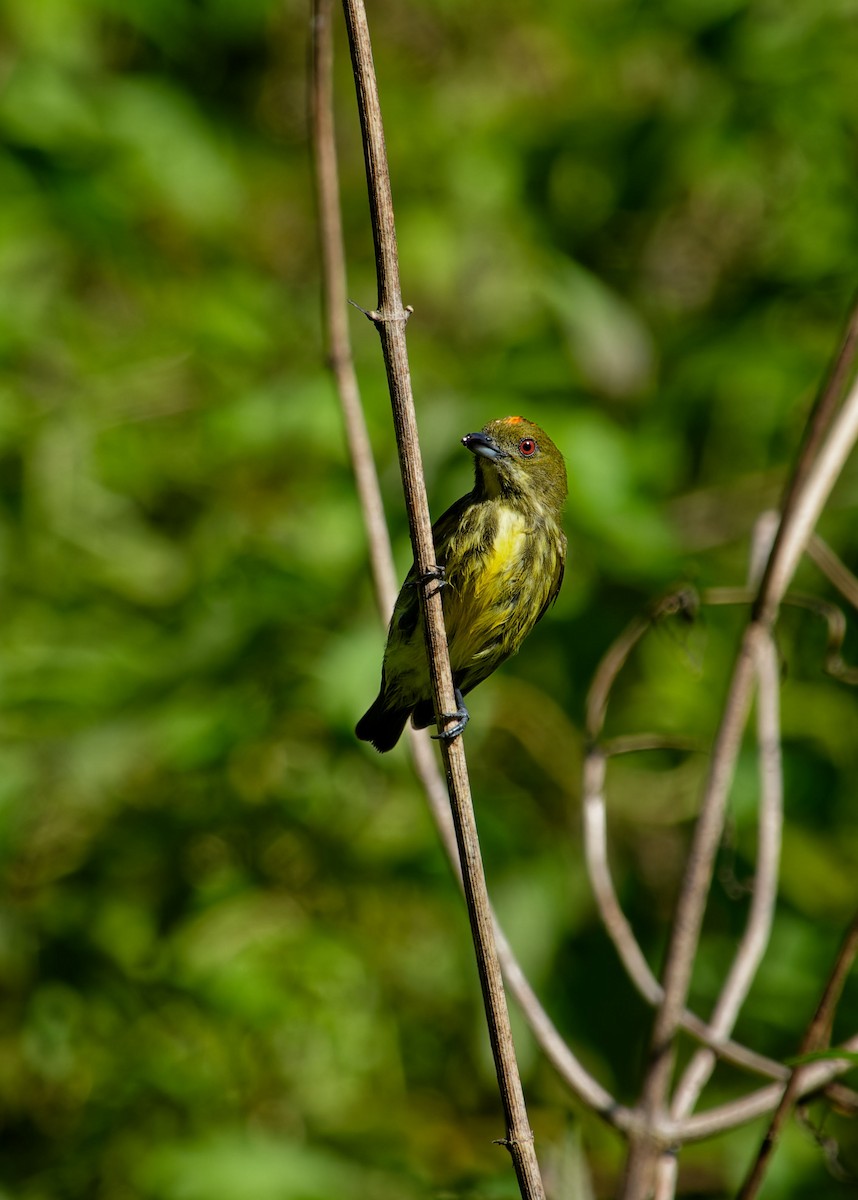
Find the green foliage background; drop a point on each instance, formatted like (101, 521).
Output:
(233, 960)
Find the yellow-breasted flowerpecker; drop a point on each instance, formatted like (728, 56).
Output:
(502, 551)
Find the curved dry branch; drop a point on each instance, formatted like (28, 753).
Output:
(621, 934)
(684, 603)
(582, 1084)
(833, 569)
(715, 1121)
(816, 1037)
(801, 513)
(714, 1037)
(755, 939)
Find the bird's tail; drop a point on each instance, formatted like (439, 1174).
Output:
(382, 725)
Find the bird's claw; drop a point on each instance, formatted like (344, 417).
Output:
(448, 735)
(461, 717)
(436, 573)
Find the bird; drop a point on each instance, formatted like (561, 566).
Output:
(501, 554)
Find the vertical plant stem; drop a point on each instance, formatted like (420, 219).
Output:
(390, 319)
(334, 306)
(580, 1081)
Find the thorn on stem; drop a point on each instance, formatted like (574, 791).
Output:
(378, 318)
(511, 1143)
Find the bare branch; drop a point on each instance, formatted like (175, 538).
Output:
(816, 1038)
(596, 857)
(390, 319)
(334, 309)
(797, 525)
(833, 568)
(818, 424)
(714, 1121)
(755, 939)
(580, 1082)
(758, 930)
(594, 822)
(672, 1132)
(806, 503)
(616, 924)
(565, 1063)
(622, 935)
(835, 620)
(681, 602)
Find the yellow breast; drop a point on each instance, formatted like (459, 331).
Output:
(504, 556)
(484, 595)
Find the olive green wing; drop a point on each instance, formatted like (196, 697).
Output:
(447, 525)
(406, 612)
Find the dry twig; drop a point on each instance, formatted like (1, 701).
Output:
(722, 1117)
(390, 318)
(595, 835)
(753, 944)
(829, 442)
(334, 311)
(580, 1081)
(816, 1038)
(833, 569)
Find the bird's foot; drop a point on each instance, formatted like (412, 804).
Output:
(436, 573)
(461, 717)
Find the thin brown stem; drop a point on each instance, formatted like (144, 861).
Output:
(334, 309)
(816, 1037)
(594, 812)
(390, 319)
(588, 1089)
(564, 1061)
(755, 939)
(639, 1181)
(673, 1131)
(621, 934)
(805, 504)
(683, 602)
(818, 424)
(723, 1117)
(833, 568)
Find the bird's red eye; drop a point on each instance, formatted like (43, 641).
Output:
(526, 446)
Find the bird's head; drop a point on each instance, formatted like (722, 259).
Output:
(518, 460)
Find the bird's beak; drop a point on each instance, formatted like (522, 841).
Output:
(482, 444)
